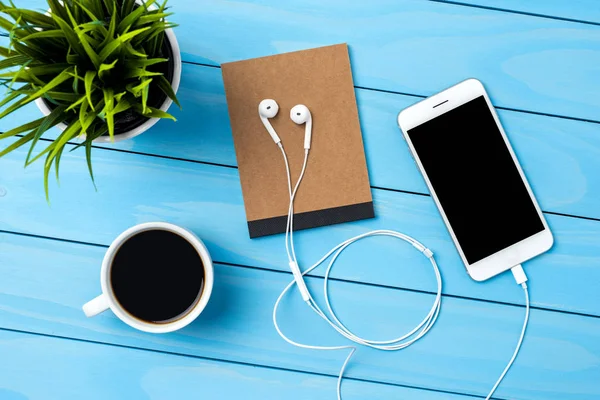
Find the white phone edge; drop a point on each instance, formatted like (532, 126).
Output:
(441, 103)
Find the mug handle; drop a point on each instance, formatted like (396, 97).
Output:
(96, 306)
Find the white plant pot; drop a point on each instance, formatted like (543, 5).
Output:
(172, 40)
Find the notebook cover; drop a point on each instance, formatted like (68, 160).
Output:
(336, 186)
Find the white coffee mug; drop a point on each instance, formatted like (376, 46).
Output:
(107, 299)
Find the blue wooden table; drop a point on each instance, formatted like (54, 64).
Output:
(540, 61)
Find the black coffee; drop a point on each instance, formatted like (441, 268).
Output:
(157, 276)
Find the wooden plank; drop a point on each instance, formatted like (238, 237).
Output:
(578, 10)
(584, 11)
(40, 367)
(559, 155)
(207, 199)
(45, 282)
(410, 46)
(415, 47)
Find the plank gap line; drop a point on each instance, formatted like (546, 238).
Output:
(235, 167)
(343, 280)
(420, 96)
(243, 363)
(507, 10)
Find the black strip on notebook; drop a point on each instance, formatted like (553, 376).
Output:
(312, 219)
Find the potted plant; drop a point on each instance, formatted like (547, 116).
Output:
(99, 70)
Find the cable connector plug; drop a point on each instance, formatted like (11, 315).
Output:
(299, 281)
(428, 253)
(519, 275)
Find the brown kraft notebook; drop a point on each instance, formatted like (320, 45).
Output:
(336, 186)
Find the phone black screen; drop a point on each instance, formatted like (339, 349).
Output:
(476, 180)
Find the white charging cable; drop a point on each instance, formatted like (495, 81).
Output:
(331, 318)
(521, 279)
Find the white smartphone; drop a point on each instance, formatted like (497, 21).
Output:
(475, 179)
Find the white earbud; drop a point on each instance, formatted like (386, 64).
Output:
(300, 114)
(268, 108)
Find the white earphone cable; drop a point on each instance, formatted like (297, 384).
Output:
(331, 318)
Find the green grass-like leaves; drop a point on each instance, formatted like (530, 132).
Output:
(91, 60)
